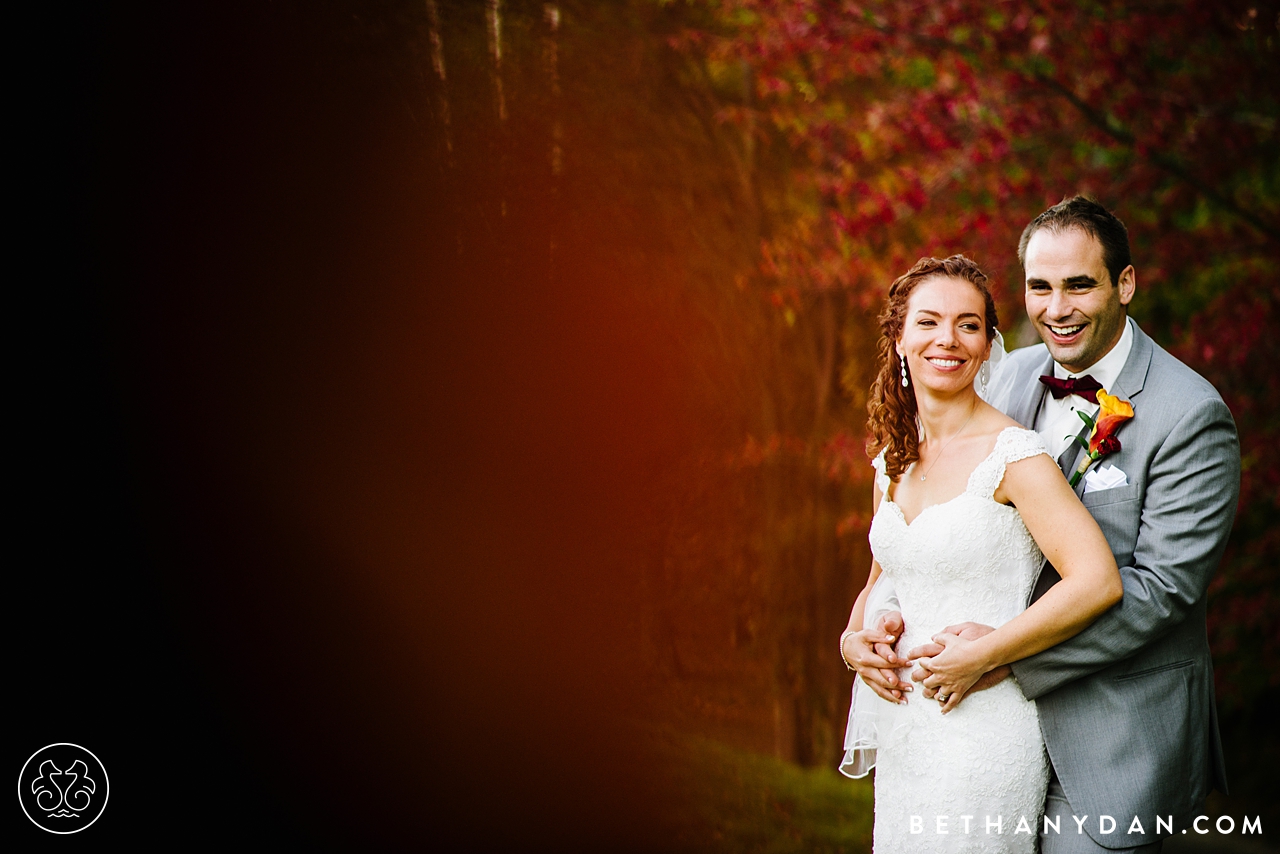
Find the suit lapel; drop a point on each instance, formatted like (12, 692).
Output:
(1071, 456)
(1026, 406)
(1133, 376)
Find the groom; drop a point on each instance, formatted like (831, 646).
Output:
(1127, 706)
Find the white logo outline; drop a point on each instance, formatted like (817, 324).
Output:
(80, 781)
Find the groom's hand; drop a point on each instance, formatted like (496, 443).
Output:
(992, 677)
(870, 651)
(968, 631)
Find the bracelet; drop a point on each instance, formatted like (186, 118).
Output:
(842, 658)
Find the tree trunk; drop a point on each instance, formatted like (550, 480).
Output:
(493, 21)
(551, 63)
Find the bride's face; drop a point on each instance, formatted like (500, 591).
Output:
(943, 336)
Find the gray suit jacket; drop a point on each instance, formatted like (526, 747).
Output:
(1127, 706)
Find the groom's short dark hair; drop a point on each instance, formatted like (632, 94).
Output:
(1087, 215)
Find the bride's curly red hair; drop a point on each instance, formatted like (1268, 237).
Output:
(891, 422)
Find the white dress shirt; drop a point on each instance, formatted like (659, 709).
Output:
(1057, 422)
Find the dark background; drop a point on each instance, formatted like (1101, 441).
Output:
(329, 491)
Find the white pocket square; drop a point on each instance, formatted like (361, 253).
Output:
(1107, 477)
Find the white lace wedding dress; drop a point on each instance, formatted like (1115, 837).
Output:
(969, 558)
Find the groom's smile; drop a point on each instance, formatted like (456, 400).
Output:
(1064, 333)
(1071, 299)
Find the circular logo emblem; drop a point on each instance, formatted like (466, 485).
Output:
(63, 788)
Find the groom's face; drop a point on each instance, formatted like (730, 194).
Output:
(1071, 300)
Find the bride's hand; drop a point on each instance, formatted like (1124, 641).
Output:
(954, 671)
(968, 631)
(871, 654)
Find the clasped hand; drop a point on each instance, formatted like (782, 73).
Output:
(948, 670)
(871, 653)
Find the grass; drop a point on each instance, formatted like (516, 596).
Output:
(735, 800)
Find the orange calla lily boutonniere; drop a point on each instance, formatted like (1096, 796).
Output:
(1102, 439)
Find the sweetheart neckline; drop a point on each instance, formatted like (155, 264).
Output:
(903, 516)
(967, 485)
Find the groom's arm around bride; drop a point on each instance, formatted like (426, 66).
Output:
(1133, 694)
(1127, 706)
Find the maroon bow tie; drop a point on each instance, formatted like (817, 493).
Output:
(1085, 386)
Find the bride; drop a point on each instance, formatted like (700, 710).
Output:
(967, 505)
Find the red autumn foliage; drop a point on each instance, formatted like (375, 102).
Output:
(905, 130)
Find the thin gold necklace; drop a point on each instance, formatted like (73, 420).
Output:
(949, 441)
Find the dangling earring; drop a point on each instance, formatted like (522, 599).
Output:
(984, 375)
(905, 381)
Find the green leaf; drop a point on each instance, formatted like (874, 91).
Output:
(1041, 65)
(1087, 419)
(919, 73)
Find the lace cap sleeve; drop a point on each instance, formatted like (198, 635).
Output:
(1018, 444)
(882, 478)
(1013, 444)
